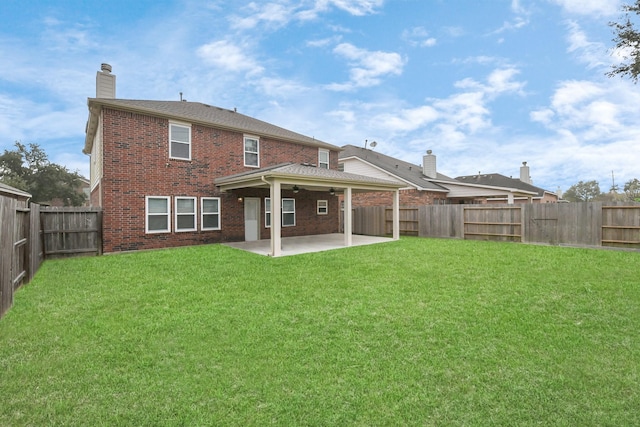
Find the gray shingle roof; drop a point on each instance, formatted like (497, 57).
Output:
(498, 180)
(196, 112)
(307, 172)
(404, 170)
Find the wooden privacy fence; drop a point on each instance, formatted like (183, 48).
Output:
(28, 235)
(577, 224)
(71, 231)
(20, 247)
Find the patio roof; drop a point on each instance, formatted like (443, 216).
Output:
(318, 179)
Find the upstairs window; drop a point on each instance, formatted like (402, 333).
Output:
(185, 213)
(251, 152)
(179, 141)
(323, 159)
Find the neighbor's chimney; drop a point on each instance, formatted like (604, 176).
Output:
(524, 173)
(429, 165)
(105, 83)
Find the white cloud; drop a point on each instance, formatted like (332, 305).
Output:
(226, 55)
(367, 67)
(272, 15)
(590, 53)
(589, 7)
(418, 36)
(353, 7)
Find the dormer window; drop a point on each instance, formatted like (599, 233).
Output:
(179, 141)
(251, 151)
(323, 159)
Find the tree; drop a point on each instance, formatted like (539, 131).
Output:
(627, 42)
(583, 192)
(28, 169)
(632, 190)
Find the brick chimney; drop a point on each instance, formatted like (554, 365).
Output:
(429, 165)
(524, 173)
(105, 83)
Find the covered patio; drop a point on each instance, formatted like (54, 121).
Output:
(291, 176)
(307, 244)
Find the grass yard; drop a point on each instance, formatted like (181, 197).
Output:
(413, 332)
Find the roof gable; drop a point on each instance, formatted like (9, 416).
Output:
(498, 180)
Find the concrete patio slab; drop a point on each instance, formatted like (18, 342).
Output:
(307, 244)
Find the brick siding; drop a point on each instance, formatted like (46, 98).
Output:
(137, 164)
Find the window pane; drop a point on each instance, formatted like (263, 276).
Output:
(251, 159)
(267, 219)
(210, 205)
(267, 205)
(180, 150)
(288, 219)
(158, 206)
(251, 145)
(158, 222)
(179, 133)
(185, 222)
(288, 205)
(185, 206)
(210, 221)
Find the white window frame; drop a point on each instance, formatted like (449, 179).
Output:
(192, 214)
(323, 207)
(171, 140)
(203, 213)
(321, 162)
(257, 152)
(267, 212)
(289, 213)
(147, 214)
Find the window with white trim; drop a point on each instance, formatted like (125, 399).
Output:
(158, 212)
(251, 151)
(323, 207)
(288, 212)
(267, 212)
(210, 213)
(185, 214)
(179, 141)
(323, 159)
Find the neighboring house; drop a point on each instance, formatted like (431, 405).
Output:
(523, 184)
(424, 185)
(175, 173)
(84, 187)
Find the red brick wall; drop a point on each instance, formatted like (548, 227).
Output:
(411, 197)
(137, 164)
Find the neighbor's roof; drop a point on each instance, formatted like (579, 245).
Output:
(498, 180)
(404, 170)
(305, 175)
(12, 191)
(196, 112)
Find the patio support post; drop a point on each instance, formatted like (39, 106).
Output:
(276, 218)
(510, 198)
(348, 218)
(396, 215)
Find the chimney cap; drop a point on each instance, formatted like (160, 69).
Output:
(524, 163)
(105, 67)
(429, 151)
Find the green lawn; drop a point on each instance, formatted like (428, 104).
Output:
(413, 332)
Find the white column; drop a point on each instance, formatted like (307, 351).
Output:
(348, 218)
(510, 198)
(396, 215)
(276, 219)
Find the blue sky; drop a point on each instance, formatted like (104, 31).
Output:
(485, 84)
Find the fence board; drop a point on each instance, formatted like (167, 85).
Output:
(621, 226)
(8, 208)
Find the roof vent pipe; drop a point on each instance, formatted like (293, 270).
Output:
(105, 82)
(429, 165)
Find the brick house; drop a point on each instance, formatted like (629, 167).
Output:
(424, 185)
(176, 173)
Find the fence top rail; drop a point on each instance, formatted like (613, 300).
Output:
(492, 207)
(69, 209)
(621, 207)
